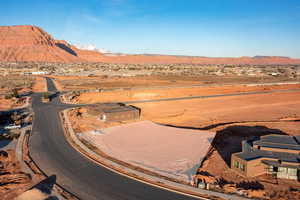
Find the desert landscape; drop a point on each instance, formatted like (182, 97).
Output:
(38, 45)
(79, 122)
(232, 118)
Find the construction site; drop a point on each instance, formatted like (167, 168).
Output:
(227, 118)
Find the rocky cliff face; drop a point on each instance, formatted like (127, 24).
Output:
(31, 43)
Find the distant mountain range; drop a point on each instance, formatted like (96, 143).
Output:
(31, 43)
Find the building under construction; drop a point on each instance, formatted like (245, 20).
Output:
(114, 112)
(122, 113)
(276, 155)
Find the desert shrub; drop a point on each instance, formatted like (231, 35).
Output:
(46, 95)
(250, 185)
(8, 96)
(15, 93)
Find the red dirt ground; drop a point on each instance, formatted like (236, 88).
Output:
(234, 119)
(131, 95)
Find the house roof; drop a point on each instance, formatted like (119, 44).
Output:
(279, 141)
(256, 154)
(98, 108)
(119, 109)
(282, 139)
(278, 164)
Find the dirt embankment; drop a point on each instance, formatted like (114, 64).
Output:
(13, 180)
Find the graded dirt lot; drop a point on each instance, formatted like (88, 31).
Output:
(139, 144)
(172, 92)
(200, 113)
(234, 119)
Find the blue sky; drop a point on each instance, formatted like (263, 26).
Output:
(217, 28)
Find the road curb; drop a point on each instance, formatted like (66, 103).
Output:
(24, 166)
(137, 175)
(23, 140)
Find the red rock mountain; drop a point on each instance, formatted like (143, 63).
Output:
(31, 43)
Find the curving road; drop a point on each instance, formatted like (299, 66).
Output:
(78, 174)
(87, 180)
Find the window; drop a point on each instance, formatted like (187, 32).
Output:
(242, 167)
(292, 172)
(236, 164)
(282, 169)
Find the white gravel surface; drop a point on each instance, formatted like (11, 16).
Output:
(173, 152)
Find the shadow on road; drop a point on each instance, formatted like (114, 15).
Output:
(4, 143)
(46, 186)
(53, 95)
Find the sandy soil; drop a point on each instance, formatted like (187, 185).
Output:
(140, 144)
(40, 84)
(131, 95)
(203, 112)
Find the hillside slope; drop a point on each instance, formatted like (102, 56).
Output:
(30, 43)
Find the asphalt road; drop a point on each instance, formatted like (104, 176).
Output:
(85, 179)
